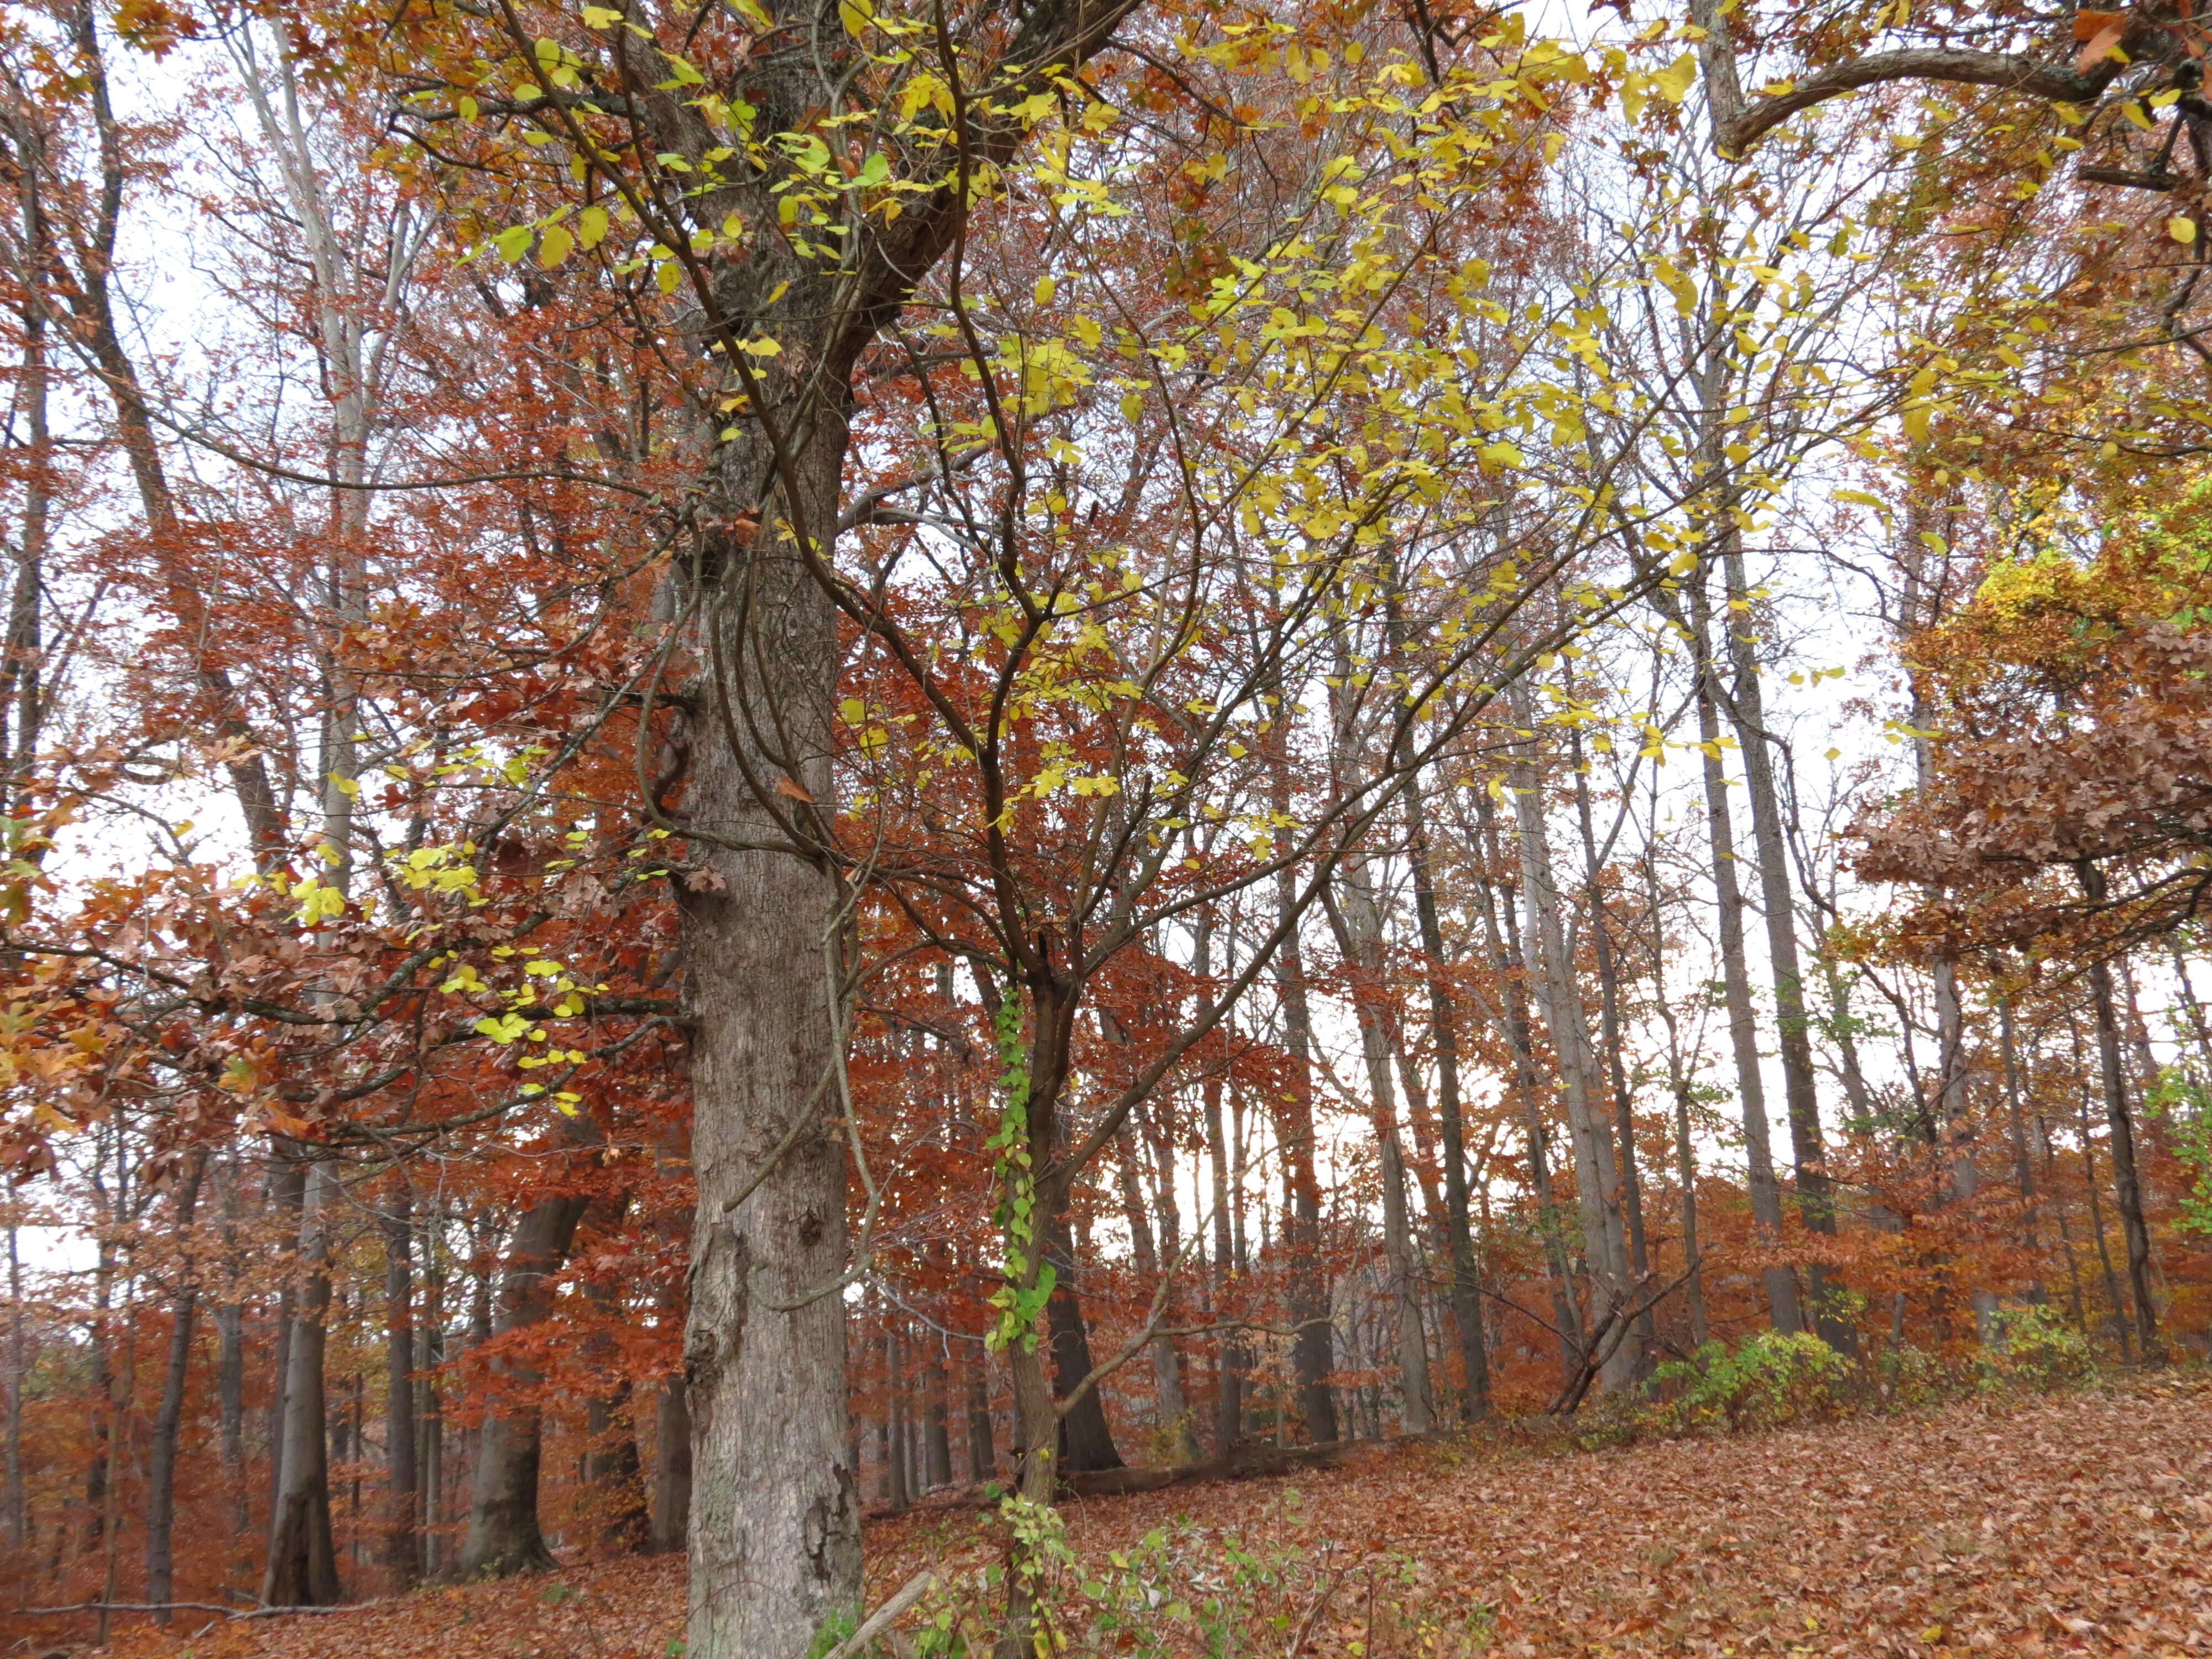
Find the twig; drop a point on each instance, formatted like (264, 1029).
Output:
(909, 1592)
(190, 1607)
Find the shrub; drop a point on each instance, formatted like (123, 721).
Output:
(1906, 1376)
(1767, 1378)
(2035, 1347)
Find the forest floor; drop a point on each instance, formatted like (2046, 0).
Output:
(2076, 1523)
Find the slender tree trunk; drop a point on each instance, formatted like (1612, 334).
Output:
(230, 1352)
(1624, 1105)
(1560, 996)
(1504, 946)
(403, 1554)
(1167, 1367)
(504, 1534)
(1360, 929)
(303, 1569)
(168, 1420)
(2127, 1186)
(1444, 1038)
(286, 1189)
(896, 1495)
(19, 1509)
(1816, 1207)
(1781, 1285)
(429, 1355)
(982, 1455)
(1307, 1286)
(1229, 1402)
(672, 1465)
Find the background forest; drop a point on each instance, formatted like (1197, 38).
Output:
(758, 757)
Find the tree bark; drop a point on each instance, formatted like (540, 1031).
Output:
(1560, 997)
(168, 1420)
(1781, 1285)
(2127, 1185)
(504, 1534)
(1358, 923)
(1816, 1205)
(672, 1465)
(303, 1569)
(403, 1553)
(1444, 1038)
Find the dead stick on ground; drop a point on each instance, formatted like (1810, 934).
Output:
(884, 1616)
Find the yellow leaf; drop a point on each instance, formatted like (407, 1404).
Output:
(2182, 228)
(554, 246)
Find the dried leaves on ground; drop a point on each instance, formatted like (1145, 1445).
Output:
(2081, 1524)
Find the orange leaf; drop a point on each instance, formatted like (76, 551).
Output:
(794, 788)
(2099, 43)
(2087, 24)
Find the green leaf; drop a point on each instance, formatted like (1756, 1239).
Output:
(513, 242)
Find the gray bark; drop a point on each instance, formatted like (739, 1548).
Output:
(302, 1568)
(1781, 1285)
(504, 1534)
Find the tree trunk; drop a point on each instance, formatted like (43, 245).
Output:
(2127, 1187)
(1560, 996)
(303, 1569)
(504, 1536)
(1229, 1363)
(1359, 936)
(1444, 1038)
(982, 1456)
(1608, 982)
(1086, 1443)
(1816, 1205)
(403, 1554)
(1780, 1283)
(672, 1465)
(19, 1510)
(1505, 947)
(1167, 1364)
(775, 1533)
(161, 1473)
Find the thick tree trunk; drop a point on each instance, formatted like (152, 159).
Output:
(303, 1569)
(504, 1534)
(403, 1553)
(168, 1420)
(1086, 1443)
(775, 1539)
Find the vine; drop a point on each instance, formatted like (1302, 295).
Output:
(1014, 1176)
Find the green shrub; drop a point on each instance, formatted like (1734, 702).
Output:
(1767, 1378)
(2035, 1347)
(1906, 1376)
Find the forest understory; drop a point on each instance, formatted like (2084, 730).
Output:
(2073, 1523)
